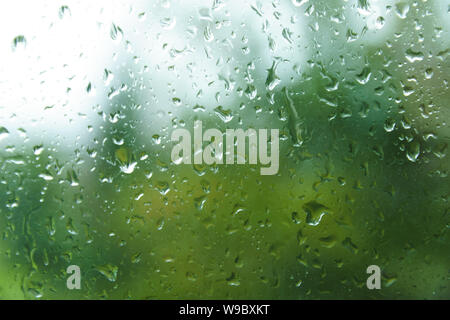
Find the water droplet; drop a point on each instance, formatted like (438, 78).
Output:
(162, 187)
(272, 79)
(64, 11)
(328, 242)
(109, 271)
(413, 151)
(72, 178)
(168, 23)
(299, 3)
(225, 115)
(127, 162)
(251, 92)
(295, 217)
(389, 125)
(379, 23)
(3, 133)
(233, 281)
(314, 212)
(429, 73)
(156, 139)
(348, 244)
(70, 227)
(205, 14)
(176, 101)
(364, 76)
(116, 33)
(200, 202)
(208, 35)
(46, 175)
(37, 150)
(19, 43)
(402, 9)
(413, 56)
(287, 35)
(363, 7)
(136, 258)
(108, 76)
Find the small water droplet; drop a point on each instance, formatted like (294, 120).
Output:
(116, 33)
(208, 35)
(389, 125)
(429, 73)
(109, 271)
(314, 212)
(3, 133)
(168, 23)
(287, 35)
(205, 14)
(299, 3)
(64, 11)
(19, 43)
(46, 175)
(225, 115)
(127, 162)
(413, 56)
(379, 23)
(156, 139)
(364, 76)
(272, 79)
(176, 101)
(413, 151)
(37, 150)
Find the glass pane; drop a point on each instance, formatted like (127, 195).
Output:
(224, 149)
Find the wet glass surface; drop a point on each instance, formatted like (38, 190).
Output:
(92, 92)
